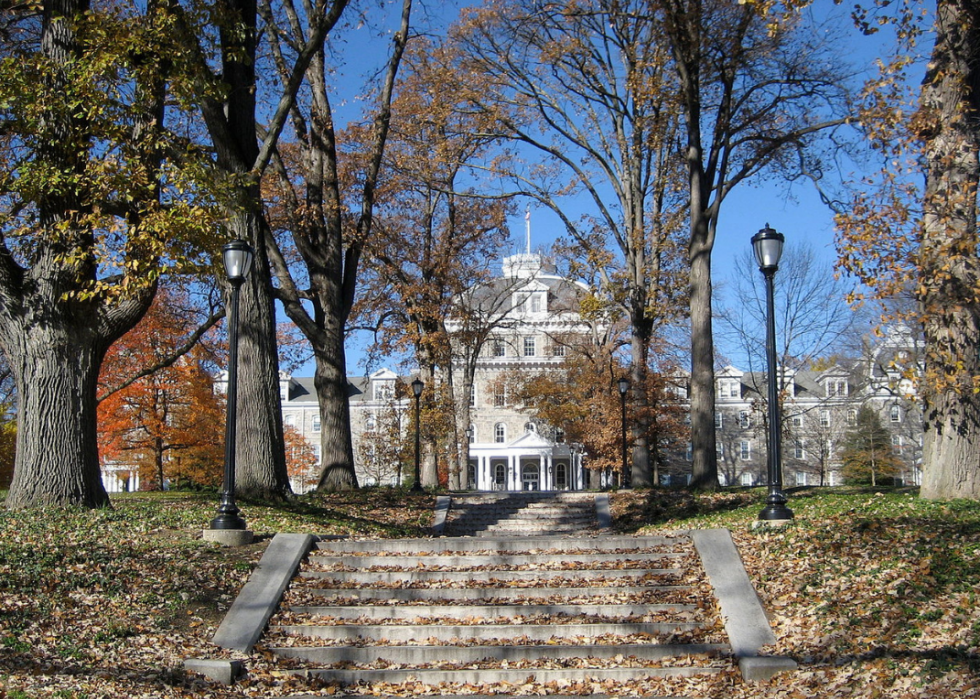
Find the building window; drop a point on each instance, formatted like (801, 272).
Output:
(689, 452)
(289, 420)
(825, 418)
(895, 414)
(499, 349)
(720, 451)
(316, 423)
(529, 347)
(798, 451)
(472, 435)
(535, 303)
(499, 433)
(852, 418)
(557, 350)
(371, 423)
(745, 450)
(473, 395)
(719, 421)
(499, 395)
(384, 390)
(559, 435)
(318, 453)
(836, 388)
(797, 421)
(745, 419)
(529, 428)
(897, 441)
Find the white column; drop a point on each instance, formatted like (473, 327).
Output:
(549, 475)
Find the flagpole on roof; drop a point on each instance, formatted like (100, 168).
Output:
(527, 227)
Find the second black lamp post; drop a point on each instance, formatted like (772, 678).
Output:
(623, 384)
(237, 256)
(768, 247)
(417, 387)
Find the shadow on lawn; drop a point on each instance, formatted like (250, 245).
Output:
(633, 510)
(395, 515)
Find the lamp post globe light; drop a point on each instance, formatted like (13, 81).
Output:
(768, 247)
(237, 256)
(417, 387)
(623, 385)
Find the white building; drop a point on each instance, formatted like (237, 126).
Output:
(530, 315)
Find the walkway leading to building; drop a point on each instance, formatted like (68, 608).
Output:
(518, 607)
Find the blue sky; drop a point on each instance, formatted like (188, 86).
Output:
(796, 212)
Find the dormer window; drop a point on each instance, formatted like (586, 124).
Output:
(384, 390)
(836, 388)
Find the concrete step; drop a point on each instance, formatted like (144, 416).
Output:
(490, 611)
(418, 655)
(503, 594)
(525, 515)
(630, 577)
(493, 559)
(502, 544)
(491, 676)
(446, 633)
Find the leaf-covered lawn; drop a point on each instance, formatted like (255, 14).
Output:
(875, 594)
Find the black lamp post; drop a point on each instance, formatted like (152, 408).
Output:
(238, 261)
(768, 247)
(623, 385)
(417, 387)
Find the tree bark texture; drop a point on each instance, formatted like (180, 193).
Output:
(260, 462)
(705, 464)
(57, 460)
(330, 379)
(947, 126)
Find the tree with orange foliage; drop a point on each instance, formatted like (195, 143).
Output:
(168, 424)
(580, 398)
(301, 462)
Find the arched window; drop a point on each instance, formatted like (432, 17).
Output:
(499, 433)
(529, 428)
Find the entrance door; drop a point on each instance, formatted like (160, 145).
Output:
(530, 475)
(500, 476)
(561, 476)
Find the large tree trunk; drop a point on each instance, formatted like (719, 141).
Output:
(950, 105)
(704, 445)
(57, 460)
(336, 446)
(260, 447)
(641, 475)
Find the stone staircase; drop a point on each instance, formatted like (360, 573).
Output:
(520, 514)
(481, 611)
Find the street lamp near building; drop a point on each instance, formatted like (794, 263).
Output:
(768, 247)
(237, 256)
(417, 387)
(623, 385)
